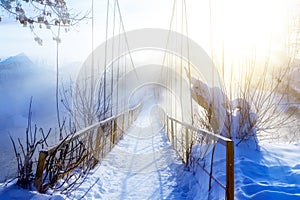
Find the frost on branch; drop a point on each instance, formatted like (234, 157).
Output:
(38, 40)
(42, 13)
(47, 12)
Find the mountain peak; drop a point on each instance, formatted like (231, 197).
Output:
(18, 61)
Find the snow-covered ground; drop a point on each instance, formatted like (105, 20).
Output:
(143, 165)
(270, 172)
(273, 172)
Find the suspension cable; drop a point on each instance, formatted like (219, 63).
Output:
(126, 40)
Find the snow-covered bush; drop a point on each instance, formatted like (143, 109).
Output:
(262, 105)
(240, 121)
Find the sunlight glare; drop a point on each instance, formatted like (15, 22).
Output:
(253, 25)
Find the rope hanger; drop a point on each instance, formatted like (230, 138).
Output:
(183, 22)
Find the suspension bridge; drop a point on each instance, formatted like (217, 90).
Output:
(127, 72)
(109, 101)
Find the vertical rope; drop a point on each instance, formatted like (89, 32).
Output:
(213, 96)
(92, 71)
(189, 64)
(125, 80)
(181, 64)
(169, 85)
(174, 64)
(105, 60)
(211, 46)
(112, 65)
(118, 70)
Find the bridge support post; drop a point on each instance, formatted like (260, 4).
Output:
(230, 170)
(38, 183)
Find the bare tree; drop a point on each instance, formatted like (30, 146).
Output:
(25, 157)
(82, 111)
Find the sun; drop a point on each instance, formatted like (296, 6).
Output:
(248, 31)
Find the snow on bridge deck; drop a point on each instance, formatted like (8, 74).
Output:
(142, 165)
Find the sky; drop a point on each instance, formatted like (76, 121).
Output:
(237, 26)
(76, 44)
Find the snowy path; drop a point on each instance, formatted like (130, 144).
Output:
(142, 165)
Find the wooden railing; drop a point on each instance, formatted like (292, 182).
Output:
(82, 150)
(183, 136)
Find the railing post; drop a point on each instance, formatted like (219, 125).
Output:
(167, 128)
(175, 137)
(111, 136)
(187, 151)
(97, 145)
(104, 149)
(181, 143)
(38, 183)
(122, 125)
(91, 141)
(229, 170)
(172, 131)
(115, 131)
